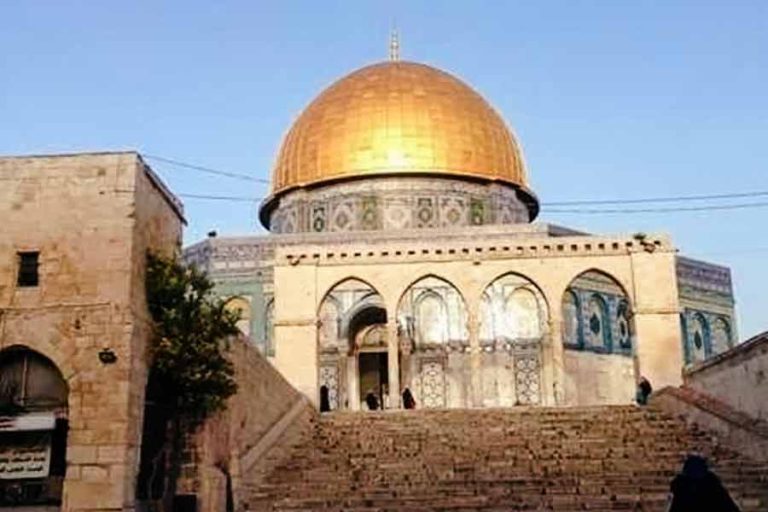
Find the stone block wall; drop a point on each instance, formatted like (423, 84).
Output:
(738, 377)
(263, 421)
(92, 217)
(598, 378)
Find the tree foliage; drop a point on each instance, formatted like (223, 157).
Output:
(192, 327)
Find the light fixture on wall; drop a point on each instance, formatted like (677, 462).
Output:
(107, 356)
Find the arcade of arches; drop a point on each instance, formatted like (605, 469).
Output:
(424, 343)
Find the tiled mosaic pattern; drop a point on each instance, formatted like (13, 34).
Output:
(397, 203)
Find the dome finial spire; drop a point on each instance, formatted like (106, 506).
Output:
(394, 46)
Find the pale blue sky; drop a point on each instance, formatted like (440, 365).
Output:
(609, 99)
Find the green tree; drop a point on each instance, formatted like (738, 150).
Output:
(190, 375)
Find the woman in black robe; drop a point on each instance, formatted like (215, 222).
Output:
(697, 489)
(325, 399)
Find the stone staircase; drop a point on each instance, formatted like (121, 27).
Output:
(585, 458)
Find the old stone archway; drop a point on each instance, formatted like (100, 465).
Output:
(33, 430)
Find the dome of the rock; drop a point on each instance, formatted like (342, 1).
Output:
(398, 119)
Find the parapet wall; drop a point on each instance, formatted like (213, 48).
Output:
(738, 377)
(263, 421)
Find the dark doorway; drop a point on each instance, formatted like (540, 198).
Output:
(374, 375)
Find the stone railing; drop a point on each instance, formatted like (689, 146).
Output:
(262, 424)
(735, 429)
(738, 377)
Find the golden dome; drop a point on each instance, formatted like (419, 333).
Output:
(397, 118)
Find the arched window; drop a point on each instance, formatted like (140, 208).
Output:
(698, 338)
(242, 306)
(603, 311)
(30, 381)
(432, 311)
(622, 326)
(522, 314)
(339, 314)
(598, 326)
(431, 318)
(571, 322)
(269, 328)
(513, 309)
(721, 336)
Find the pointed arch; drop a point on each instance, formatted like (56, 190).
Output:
(31, 381)
(242, 306)
(699, 340)
(603, 311)
(432, 311)
(516, 309)
(347, 283)
(721, 335)
(599, 280)
(348, 306)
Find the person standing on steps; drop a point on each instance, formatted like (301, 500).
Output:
(644, 390)
(371, 401)
(697, 489)
(325, 400)
(408, 400)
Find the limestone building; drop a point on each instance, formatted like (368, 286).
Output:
(403, 252)
(74, 325)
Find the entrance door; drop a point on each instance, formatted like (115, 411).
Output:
(374, 375)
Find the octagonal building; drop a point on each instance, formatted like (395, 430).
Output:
(403, 253)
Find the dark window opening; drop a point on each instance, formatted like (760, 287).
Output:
(28, 268)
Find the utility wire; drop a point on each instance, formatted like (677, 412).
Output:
(209, 170)
(661, 210)
(235, 199)
(545, 206)
(667, 199)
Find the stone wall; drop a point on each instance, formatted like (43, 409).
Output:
(262, 423)
(738, 377)
(471, 260)
(598, 378)
(92, 217)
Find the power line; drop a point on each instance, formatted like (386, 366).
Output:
(545, 205)
(667, 199)
(236, 199)
(209, 170)
(661, 210)
(593, 211)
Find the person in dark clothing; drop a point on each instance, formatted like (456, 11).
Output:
(325, 400)
(408, 400)
(371, 401)
(644, 390)
(697, 489)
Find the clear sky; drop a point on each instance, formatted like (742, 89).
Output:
(610, 99)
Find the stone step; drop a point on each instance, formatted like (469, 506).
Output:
(595, 458)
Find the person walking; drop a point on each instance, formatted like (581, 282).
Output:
(697, 489)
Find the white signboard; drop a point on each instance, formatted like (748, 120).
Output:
(28, 457)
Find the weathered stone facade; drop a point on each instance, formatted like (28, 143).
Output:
(91, 218)
(626, 322)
